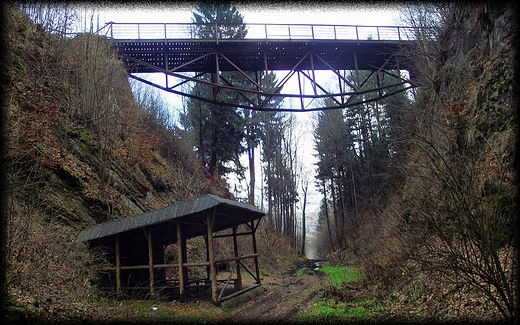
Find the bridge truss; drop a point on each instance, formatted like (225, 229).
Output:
(297, 53)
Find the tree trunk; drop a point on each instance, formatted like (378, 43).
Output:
(327, 215)
(304, 231)
(201, 136)
(251, 156)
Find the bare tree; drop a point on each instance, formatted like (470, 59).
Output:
(53, 17)
(305, 188)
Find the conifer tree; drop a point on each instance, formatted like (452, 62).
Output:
(219, 131)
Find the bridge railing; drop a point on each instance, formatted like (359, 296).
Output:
(255, 31)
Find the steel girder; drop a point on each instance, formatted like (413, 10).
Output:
(189, 63)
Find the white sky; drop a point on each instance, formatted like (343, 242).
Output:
(338, 14)
(287, 14)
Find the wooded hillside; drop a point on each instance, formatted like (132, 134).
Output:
(79, 151)
(422, 189)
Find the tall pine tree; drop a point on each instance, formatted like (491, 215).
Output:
(218, 131)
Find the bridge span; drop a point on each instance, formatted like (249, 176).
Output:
(295, 52)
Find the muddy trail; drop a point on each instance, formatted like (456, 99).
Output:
(287, 296)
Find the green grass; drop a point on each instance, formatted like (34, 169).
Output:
(333, 310)
(342, 274)
(325, 310)
(304, 271)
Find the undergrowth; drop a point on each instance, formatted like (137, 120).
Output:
(146, 311)
(333, 303)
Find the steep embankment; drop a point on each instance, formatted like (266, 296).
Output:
(445, 245)
(79, 151)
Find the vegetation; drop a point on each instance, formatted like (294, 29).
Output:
(222, 134)
(82, 149)
(424, 184)
(218, 132)
(147, 311)
(329, 308)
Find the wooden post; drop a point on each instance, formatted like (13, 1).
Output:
(184, 252)
(148, 235)
(208, 272)
(180, 259)
(213, 271)
(238, 283)
(118, 266)
(253, 236)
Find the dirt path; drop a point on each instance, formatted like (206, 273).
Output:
(287, 296)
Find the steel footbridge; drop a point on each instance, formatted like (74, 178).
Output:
(356, 58)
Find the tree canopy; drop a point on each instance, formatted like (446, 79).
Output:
(230, 21)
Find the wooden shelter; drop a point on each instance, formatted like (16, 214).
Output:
(134, 248)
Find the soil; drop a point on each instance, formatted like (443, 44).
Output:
(287, 296)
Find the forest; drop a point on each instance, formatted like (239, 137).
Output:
(419, 189)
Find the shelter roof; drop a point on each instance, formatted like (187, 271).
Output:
(191, 214)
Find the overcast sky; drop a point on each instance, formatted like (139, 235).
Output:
(383, 15)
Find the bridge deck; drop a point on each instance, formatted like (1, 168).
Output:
(257, 55)
(179, 47)
(179, 51)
